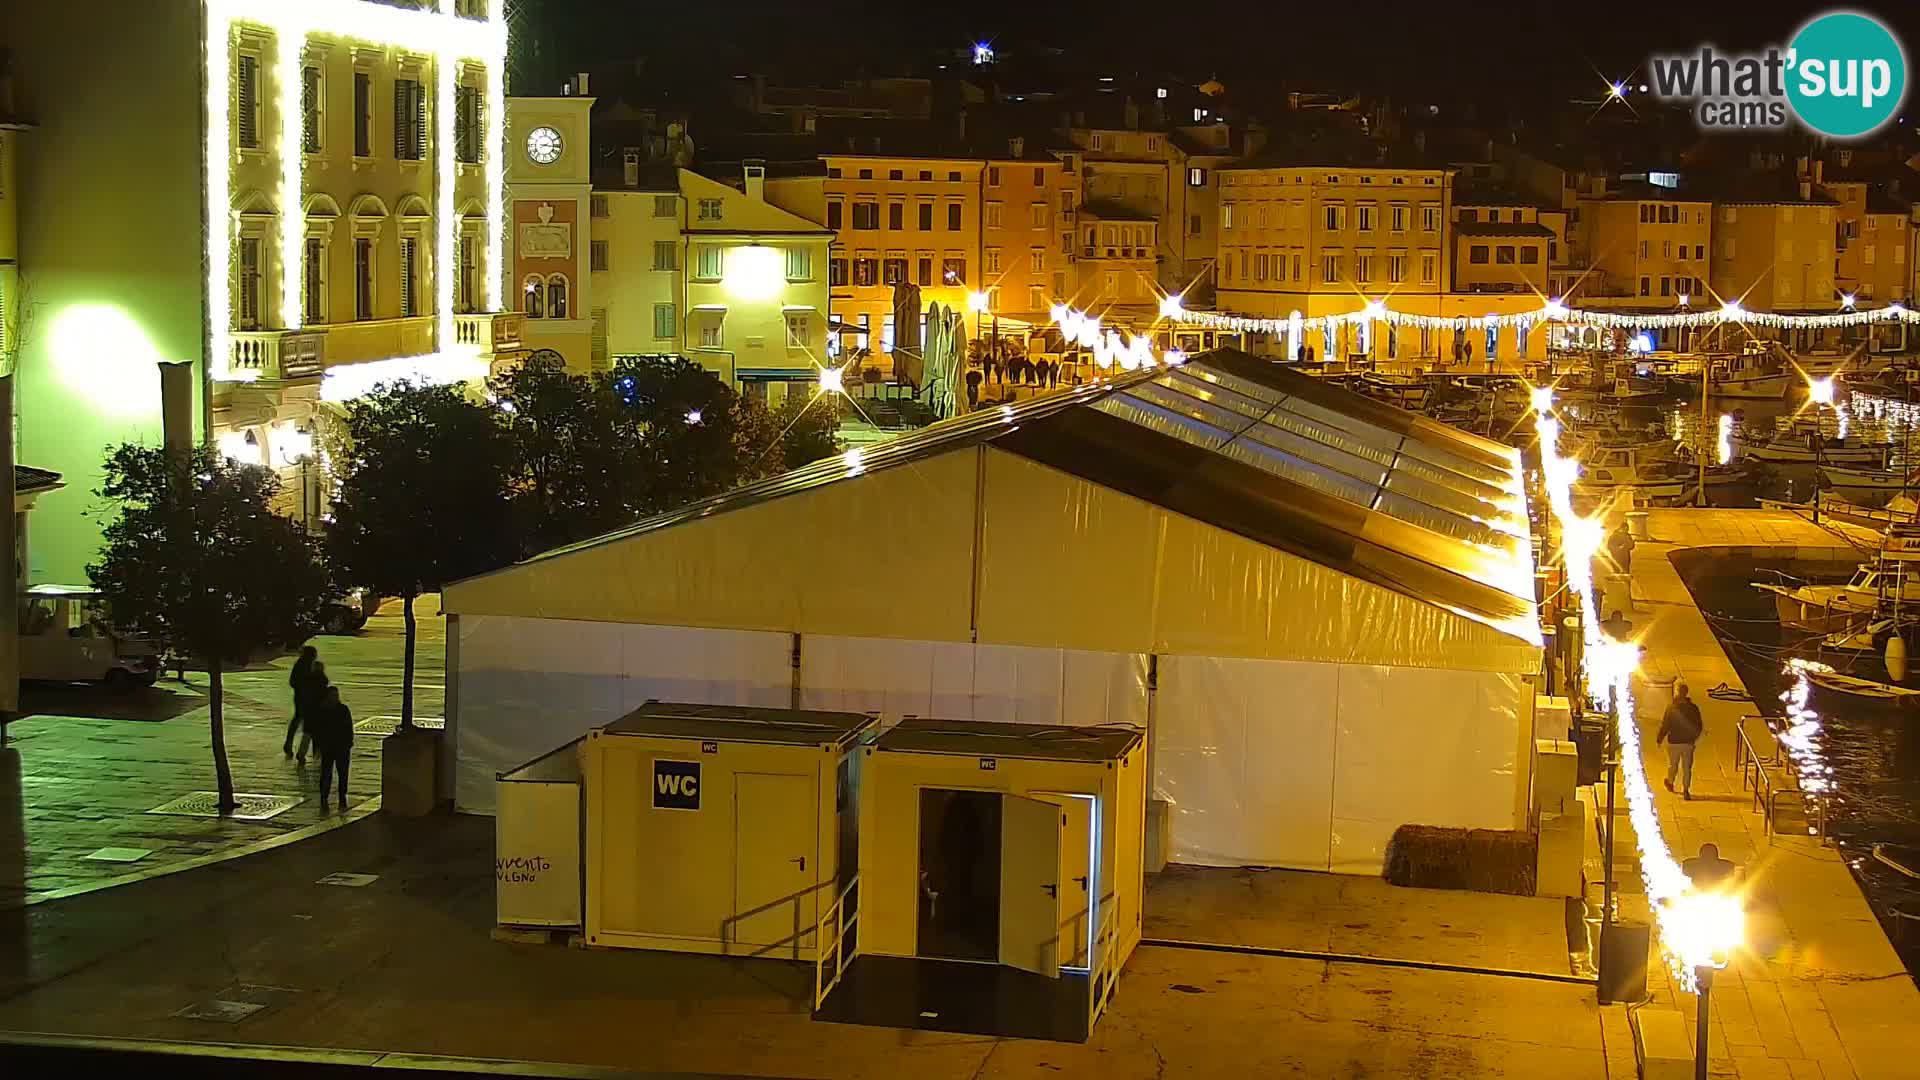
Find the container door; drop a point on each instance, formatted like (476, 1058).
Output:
(1030, 885)
(775, 863)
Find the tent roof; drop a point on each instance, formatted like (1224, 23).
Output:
(729, 723)
(976, 738)
(1285, 460)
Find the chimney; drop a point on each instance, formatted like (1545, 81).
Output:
(176, 408)
(961, 120)
(1016, 147)
(756, 179)
(1420, 142)
(580, 84)
(1806, 188)
(1819, 171)
(630, 166)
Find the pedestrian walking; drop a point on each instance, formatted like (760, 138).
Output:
(300, 681)
(1680, 729)
(332, 726)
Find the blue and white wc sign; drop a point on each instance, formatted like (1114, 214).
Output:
(676, 785)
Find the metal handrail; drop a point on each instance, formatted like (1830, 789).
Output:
(1104, 976)
(831, 950)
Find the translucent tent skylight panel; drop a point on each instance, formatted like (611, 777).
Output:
(1240, 428)
(1375, 444)
(1206, 436)
(1440, 457)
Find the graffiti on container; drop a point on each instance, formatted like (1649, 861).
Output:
(520, 869)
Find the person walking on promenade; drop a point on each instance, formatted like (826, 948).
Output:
(1680, 729)
(332, 725)
(300, 680)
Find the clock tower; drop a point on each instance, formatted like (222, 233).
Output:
(550, 220)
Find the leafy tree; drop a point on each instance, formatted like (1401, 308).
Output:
(423, 498)
(686, 421)
(578, 466)
(197, 562)
(804, 429)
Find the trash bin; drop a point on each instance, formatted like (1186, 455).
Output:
(1637, 524)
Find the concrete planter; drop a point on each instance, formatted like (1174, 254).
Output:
(409, 772)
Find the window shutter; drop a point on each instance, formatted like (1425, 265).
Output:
(420, 121)
(310, 109)
(244, 91)
(400, 114)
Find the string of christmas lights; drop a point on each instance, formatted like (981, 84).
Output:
(1553, 311)
(1697, 927)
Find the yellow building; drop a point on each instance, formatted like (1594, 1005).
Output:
(1872, 237)
(349, 156)
(1117, 270)
(1646, 248)
(897, 220)
(1774, 251)
(1028, 219)
(754, 304)
(1500, 243)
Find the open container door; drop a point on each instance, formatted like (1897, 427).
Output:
(1030, 885)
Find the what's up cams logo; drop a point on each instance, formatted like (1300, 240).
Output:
(1844, 75)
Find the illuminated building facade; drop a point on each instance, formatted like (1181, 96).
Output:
(301, 199)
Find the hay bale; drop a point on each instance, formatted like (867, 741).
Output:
(1476, 860)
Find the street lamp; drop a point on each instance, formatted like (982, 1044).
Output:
(1703, 929)
(1819, 395)
(978, 303)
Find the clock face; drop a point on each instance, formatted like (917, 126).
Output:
(543, 145)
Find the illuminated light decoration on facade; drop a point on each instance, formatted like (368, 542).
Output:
(753, 272)
(1552, 311)
(1696, 928)
(349, 381)
(447, 38)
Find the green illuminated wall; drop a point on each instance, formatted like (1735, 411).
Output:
(110, 241)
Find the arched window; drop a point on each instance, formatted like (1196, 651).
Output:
(536, 299)
(557, 296)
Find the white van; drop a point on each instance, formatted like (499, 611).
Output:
(64, 637)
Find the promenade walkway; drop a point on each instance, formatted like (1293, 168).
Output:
(1819, 992)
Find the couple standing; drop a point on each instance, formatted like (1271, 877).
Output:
(322, 720)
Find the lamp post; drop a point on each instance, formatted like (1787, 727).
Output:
(1703, 978)
(979, 303)
(1819, 395)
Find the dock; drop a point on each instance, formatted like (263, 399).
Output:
(1819, 991)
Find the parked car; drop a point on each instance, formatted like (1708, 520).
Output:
(64, 637)
(347, 613)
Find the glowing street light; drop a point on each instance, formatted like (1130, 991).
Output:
(693, 415)
(1617, 90)
(832, 381)
(1820, 391)
(1540, 398)
(1846, 301)
(1170, 306)
(978, 301)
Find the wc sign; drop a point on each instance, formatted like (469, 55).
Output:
(676, 785)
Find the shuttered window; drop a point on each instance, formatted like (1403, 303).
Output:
(409, 120)
(246, 100)
(249, 313)
(362, 278)
(409, 302)
(362, 114)
(310, 109)
(466, 123)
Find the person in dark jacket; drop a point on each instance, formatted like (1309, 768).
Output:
(1680, 729)
(300, 680)
(332, 725)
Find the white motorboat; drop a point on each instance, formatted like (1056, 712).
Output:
(1747, 376)
(1841, 478)
(1826, 609)
(1648, 472)
(1406, 391)
(1803, 445)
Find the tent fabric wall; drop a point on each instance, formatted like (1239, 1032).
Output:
(1313, 766)
(966, 682)
(1069, 563)
(1064, 563)
(1425, 747)
(525, 686)
(753, 567)
(1243, 753)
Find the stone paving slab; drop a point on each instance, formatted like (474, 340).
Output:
(1820, 986)
(85, 771)
(406, 964)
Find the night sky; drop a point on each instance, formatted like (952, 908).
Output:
(1488, 53)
